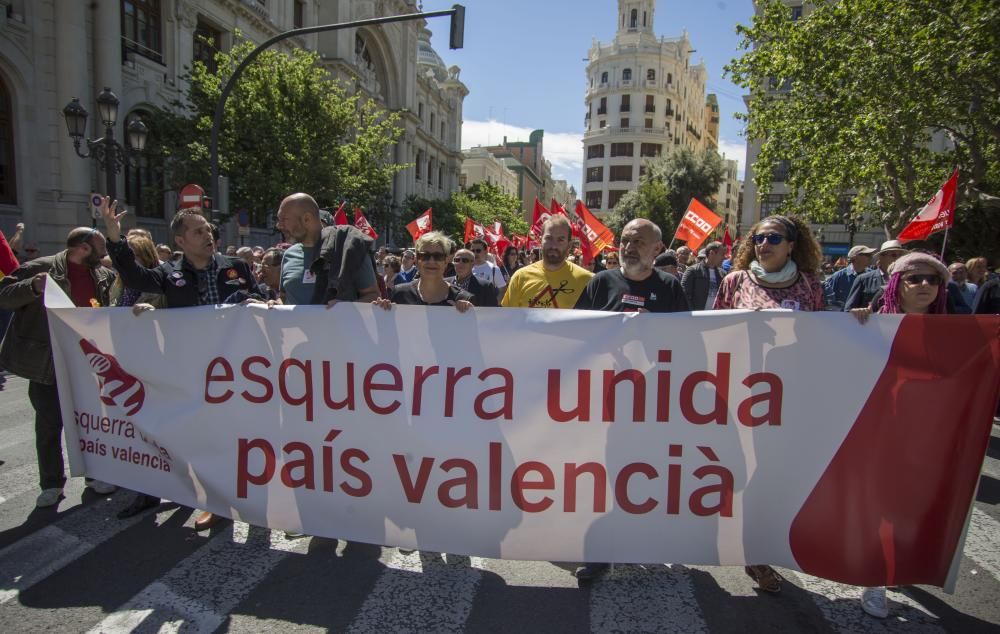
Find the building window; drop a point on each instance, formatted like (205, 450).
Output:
(650, 103)
(644, 18)
(8, 172)
(603, 108)
(620, 173)
(642, 171)
(141, 28)
(651, 74)
(299, 17)
(622, 149)
(595, 174)
(604, 77)
(432, 123)
(633, 19)
(670, 78)
(614, 196)
(419, 162)
(595, 151)
(207, 42)
(780, 173)
(649, 124)
(595, 200)
(442, 130)
(440, 177)
(650, 149)
(770, 204)
(602, 123)
(143, 185)
(626, 103)
(627, 74)
(796, 12)
(420, 112)
(430, 171)
(624, 122)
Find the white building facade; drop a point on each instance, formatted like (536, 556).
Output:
(644, 96)
(53, 50)
(480, 165)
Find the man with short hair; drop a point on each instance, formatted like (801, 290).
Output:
(551, 282)
(201, 277)
(960, 276)
(407, 268)
(701, 281)
(326, 264)
(27, 348)
(483, 293)
(667, 262)
(683, 258)
(837, 287)
(867, 285)
(636, 286)
(485, 270)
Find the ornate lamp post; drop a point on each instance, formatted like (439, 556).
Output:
(110, 154)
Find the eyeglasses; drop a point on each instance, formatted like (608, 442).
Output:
(476, 250)
(931, 278)
(771, 238)
(423, 256)
(462, 260)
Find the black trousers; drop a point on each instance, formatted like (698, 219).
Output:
(48, 434)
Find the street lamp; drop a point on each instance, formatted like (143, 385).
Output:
(110, 154)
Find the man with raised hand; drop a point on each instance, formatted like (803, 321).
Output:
(27, 348)
(201, 277)
(551, 282)
(325, 264)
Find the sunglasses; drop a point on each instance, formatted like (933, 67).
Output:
(423, 256)
(770, 238)
(476, 250)
(931, 278)
(463, 260)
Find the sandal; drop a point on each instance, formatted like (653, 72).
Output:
(767, 578)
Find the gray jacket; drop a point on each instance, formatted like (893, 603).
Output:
(27, 349)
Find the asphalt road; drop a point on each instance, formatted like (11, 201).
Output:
(76, 568)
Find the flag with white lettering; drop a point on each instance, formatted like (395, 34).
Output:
(420, 225)
(362, 223)
(697, 224)
(937, 215)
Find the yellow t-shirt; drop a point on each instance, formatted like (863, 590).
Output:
(535, 287)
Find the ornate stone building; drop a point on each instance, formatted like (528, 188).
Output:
(52, 50)
(644, 95)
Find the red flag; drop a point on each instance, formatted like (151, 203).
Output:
(538, 218)
(496, 242)
(474, 230)
(497, 228)
(697, 223)
(593, 233)
(420, 225)
(520, 242)
(362, 223)
(936, 215)
(340, 218)
(7, 260)
(727, 241)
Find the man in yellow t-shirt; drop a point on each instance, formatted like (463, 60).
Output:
(552, 282)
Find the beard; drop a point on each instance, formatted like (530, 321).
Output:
(555, 256)
(93, 260)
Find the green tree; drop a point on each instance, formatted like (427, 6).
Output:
(288, 126)
(882, 98)
(667, 186)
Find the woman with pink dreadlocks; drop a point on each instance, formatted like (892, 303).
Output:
(917, 285)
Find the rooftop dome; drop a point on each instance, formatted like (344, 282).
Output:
(427, 56)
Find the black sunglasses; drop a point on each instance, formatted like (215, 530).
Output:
(423, 256)
(771, 238)
(919, 278)
(464, 260)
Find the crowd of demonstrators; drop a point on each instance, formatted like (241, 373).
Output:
(701, 281)
(838, 285)
(27, 347)
(484, 294)
(430, 288)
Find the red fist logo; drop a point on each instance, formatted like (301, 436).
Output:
(115, 382)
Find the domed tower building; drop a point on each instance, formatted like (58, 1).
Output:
(644, 96)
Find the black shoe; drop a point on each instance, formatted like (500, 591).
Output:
(589, 572)
(141, 503)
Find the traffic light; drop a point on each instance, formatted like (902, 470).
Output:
(457, 38)
(206, 204)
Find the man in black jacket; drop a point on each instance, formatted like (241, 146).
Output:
(202, 277)
(483, 292)
(867, 285)
(701, 281)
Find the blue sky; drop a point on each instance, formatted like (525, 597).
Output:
(524, 64)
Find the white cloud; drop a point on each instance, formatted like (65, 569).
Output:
(563, 149)
(735, 150)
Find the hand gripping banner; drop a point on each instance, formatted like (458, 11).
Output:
(804, 440)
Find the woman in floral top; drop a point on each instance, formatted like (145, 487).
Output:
(776, 267)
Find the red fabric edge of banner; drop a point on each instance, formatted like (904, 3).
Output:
(891, 506)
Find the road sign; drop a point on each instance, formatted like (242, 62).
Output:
(191, 196)
(95, 205)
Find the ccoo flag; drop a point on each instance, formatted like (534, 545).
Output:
(697, 223)
(936, 215)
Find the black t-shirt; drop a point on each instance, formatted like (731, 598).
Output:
(407, 294)
(612, 291)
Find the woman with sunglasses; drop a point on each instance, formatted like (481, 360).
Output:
(917, 285)
(430, 288)
(777, 266)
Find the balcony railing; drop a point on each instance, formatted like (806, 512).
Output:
(650, 109)
(627, 131)
(625, 108)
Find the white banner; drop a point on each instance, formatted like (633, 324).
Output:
(711, 438)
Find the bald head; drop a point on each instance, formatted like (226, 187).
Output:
(641, 241)
(645, 226)
(86, 246)
(298, 219)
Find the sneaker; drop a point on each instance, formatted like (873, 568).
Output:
(101, 488)
(589, 572)
(873, 602)
(48, 497)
